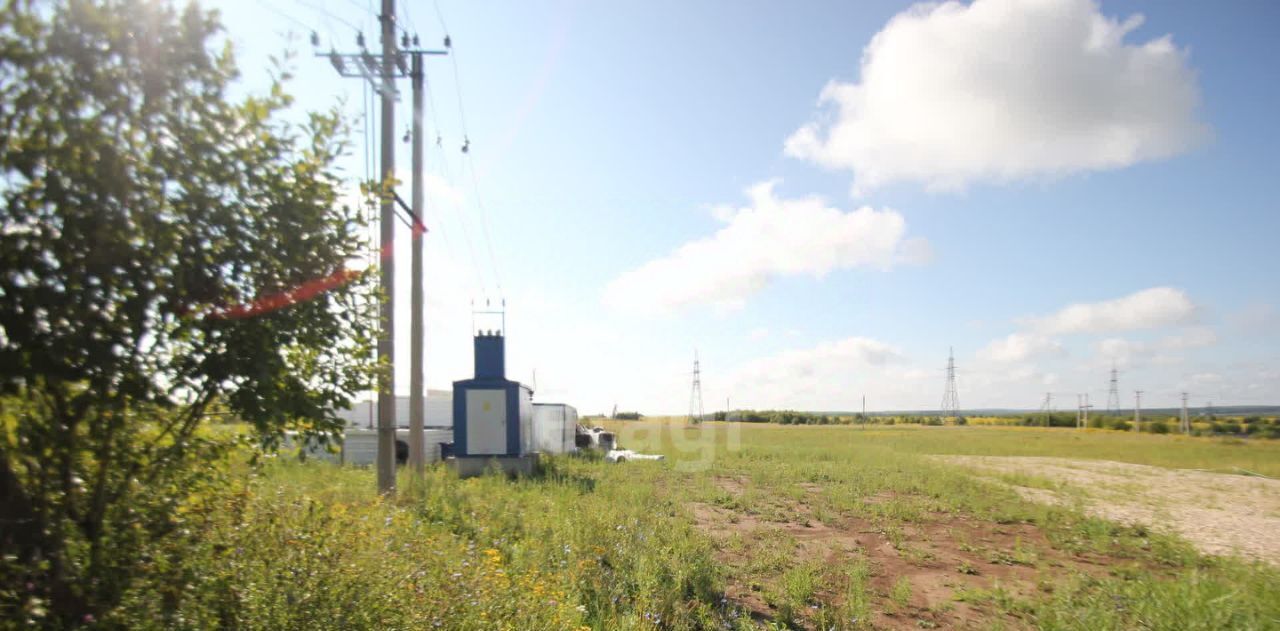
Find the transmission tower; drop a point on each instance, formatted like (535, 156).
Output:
(1047, 407)
(1113, 396)
(951, 400)
(695, 394)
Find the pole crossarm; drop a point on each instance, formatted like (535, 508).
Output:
(368, 66)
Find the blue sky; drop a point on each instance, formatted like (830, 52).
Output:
(1048, 186)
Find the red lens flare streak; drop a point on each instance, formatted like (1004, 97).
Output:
(308, 290)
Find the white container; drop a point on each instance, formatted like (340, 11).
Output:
(554, 427)
(360, 446)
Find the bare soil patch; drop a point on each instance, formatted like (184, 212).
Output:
(943, 557)
(1219, 513)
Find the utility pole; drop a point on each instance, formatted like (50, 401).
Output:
(1047, 406)
(381, 75)
(1137, 411)
(417, 400)
(1185, 420)
(1084, 424)
(386, 228)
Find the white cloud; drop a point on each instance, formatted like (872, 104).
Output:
(1002, 89)
(1206, 378)
(828, 376)
(1020, 347)
(770, 237)
(759, 333)
(1194, 337)
(1162, 351)
(1149, 308)
(1121, 351)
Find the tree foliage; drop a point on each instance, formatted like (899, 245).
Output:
(166, 252)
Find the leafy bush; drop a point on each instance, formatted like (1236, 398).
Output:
(167, 253)
(1227, 427)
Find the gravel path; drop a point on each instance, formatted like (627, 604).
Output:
(1219, 513)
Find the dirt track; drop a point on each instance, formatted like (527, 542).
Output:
(1219, 513)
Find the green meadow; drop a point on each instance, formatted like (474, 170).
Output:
(741, 527)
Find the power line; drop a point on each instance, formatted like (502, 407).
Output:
(457, 213)
(272, 8)
(484, 224)
(466, 150)
(440, 17)
(328, 14)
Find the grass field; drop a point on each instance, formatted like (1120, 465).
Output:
(776, 526)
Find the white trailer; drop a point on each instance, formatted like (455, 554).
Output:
(554, 428)
(360, 446)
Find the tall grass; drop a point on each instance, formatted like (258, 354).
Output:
(600, 546)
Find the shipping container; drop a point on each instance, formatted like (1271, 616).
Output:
(554, 428)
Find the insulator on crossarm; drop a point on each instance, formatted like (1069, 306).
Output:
(448, 42)
(360, 40)
(315, 39)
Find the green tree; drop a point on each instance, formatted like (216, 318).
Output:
(166, 251)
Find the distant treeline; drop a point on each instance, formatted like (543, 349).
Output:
(1255, 426)
(793, 417)
(1258, 426)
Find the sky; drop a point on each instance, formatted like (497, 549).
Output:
(823, 199)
